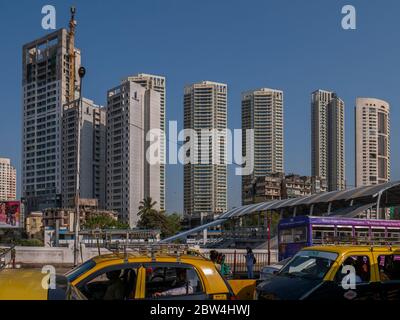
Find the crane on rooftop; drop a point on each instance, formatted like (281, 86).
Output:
(71, 54)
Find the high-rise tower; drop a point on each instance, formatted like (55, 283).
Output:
(132, 110)
(47, 85)
(205, 182)
(262, 111)
(372, 132)
(327, 139)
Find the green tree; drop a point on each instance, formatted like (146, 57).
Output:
(147, 207)
(150, 218)
(103, 221)
(174, 224)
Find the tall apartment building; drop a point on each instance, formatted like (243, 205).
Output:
(46, 85)
(8, 180)
(205, 182)
(132, 110)
(372, 126)
(158, 84)
(90, 120)
(262, 111)
(327, 139)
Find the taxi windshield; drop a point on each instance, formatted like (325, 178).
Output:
(309, 264)
(79, 270)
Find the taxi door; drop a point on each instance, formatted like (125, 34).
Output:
(388, 274)
(355, 278)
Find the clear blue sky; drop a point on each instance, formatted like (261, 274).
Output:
(297, 46)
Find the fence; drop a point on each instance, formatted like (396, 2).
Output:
(7, 257)
(64, 256)
(235, 258)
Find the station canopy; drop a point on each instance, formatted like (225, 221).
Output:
(350, 201)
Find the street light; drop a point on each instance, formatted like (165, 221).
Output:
(81, 73)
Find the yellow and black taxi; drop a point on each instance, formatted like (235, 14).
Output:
(16, 284)
(337, 273)
(149, 273)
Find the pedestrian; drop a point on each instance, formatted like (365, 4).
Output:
(214, 258)
(213, 255)
(225, 268)
(250, 262)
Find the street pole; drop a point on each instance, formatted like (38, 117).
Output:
(269, 236)
(81, 73)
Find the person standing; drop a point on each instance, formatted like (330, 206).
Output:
(250, 262)
(225, 269)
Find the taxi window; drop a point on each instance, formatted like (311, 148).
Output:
(111, 283)
(75, 294)
(361, 266)
(309, 264)
(79, 270)
(389, 267)
(164, 282)
(294, 235)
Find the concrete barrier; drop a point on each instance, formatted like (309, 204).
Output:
(64, 256)
(38, 256)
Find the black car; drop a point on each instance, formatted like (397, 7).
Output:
(314, 274)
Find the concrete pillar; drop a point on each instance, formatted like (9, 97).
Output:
(205, 236)
(329, 208)
(265, 220)
(378, 203)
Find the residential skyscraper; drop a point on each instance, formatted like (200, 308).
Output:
(327, 139)
(8, 180)
(46, 86)
(132, 110)
(205, 182)
(92, 160)
(372, 131)
(262, 111)
(156, 83)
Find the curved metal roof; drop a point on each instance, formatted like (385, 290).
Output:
(326, 197)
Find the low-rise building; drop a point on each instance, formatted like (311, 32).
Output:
(278, 186)
(63, 218)
(34, 225)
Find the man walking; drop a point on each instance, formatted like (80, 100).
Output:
(250, 261)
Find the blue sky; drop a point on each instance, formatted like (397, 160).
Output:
(292, 45)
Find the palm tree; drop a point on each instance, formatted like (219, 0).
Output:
(146, 207)
(150, 218)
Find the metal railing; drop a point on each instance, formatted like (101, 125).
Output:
(246, 233)
(152, 250)
(236, 260)
(7, 256)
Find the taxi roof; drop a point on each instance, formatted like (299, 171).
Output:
(342, 249)
(136, 256)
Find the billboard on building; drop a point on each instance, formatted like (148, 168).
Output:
(10, 213)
